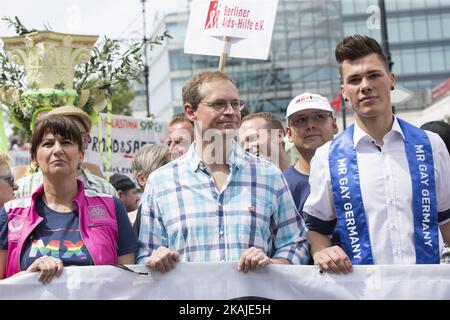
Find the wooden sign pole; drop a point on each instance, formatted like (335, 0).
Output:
(223, 55)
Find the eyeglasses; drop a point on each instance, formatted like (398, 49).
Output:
(302, 121)
(221, 105)
(8, 177)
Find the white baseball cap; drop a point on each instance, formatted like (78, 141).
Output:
(306, 101)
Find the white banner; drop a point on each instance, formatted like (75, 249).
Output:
(194, 281)
(248, 23)
(128, 134)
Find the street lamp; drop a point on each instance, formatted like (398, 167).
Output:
(384, 33)
(146, 71)
(384, 37)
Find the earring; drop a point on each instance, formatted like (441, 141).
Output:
(79, 166)
(345, 99)
(392, 88)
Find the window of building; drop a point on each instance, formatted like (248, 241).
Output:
(178, 110)
(433, 3)
(396, 58)
(177, 30)
(434, 26)
(349, 28)
(420, 29)
(403, 5)
(179, 60)
(447, 57)
(405, 29)
(177, 87)
(392, 26)
(418, 4)
(361, 6)
(347, 7)
(437, 59)
(407, 59)
(390, 5)
(446, 22)
(423, 60)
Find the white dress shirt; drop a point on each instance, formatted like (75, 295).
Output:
(386, 191)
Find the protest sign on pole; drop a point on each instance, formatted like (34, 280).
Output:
(128, 135)
(233, 28)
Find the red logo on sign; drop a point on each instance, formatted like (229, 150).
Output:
(213, 15)
(336, 102)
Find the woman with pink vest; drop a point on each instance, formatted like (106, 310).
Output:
(62, 224)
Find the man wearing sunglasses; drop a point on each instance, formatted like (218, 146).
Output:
(218, 203)
(7, 184)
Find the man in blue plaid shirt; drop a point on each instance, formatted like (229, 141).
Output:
(218, 202)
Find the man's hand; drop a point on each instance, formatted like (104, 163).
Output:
(333, 260)
(252, 259)
(48, 267)
(162, 259)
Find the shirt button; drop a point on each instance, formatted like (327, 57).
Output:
(221, 232)
(394, 228)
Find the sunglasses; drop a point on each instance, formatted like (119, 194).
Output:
(8, 177)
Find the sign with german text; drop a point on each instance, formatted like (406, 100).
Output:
(128, 135)
(248, 24)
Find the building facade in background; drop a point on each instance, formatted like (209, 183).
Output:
(302, 54)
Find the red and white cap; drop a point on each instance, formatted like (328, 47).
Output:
(306, 101)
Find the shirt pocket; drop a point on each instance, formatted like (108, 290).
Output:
(254, 223)
(105, 230)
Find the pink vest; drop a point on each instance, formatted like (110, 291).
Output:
(98, 225)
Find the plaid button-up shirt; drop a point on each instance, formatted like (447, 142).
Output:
(183, 210)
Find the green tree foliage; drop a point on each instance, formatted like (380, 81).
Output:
(108, 74)
(121, 101)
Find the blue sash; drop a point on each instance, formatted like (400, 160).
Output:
(348, 202)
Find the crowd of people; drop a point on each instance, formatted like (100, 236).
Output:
(223, 188)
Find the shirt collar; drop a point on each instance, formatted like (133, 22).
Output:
(237, 157)
(359, 133)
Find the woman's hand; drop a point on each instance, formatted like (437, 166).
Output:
(48, 266)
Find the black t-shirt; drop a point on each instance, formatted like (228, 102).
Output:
(58, 235)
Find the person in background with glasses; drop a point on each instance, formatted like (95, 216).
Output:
(218, 203)
(310, 124)
(7, 184)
